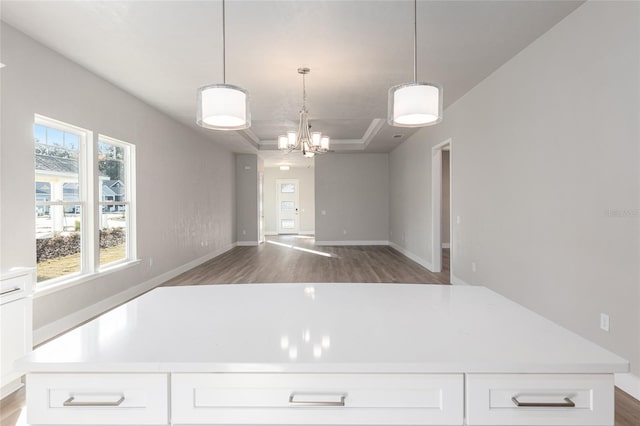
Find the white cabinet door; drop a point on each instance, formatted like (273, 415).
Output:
(15, 329)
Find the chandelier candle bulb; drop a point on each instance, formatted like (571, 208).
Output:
(282, 142)
(324, 143)
(291, 140)
(315, 138)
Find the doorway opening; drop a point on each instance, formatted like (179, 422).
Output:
(441, 158)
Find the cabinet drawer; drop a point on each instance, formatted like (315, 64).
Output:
(97, 399)
(15, 287)
(346, 399)
(540, 399)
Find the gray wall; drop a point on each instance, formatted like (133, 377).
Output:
(247, 185)
(545, 156)
(306, 177)
(353, 191)
(185, 183)
(445, 216)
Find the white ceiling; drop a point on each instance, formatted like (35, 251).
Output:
(162, 51)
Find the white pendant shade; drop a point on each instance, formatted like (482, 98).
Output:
(415, 105)
(223, 107)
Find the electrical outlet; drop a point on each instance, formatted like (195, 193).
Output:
(150, 262)
(344, 232)
(473, 266)
(604, 322)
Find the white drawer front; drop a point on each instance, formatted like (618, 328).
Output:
(97, 399)
(490, 399)
(15, 287)
(346, 399)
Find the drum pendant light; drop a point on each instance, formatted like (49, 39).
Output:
(223, 106)
(415, 104)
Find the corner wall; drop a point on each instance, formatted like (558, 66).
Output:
(353, 192)
(185, 182)
(545, 174)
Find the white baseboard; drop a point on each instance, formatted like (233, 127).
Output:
(630, 383)
(270, 234)
(307, 232)
(457, 281)
(446, 245)
(10, 388)
(247, 243)
(63, 324)
(420, 261)
(352, 243)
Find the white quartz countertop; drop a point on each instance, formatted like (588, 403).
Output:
(319, 328)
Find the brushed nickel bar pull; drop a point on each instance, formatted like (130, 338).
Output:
(10, 291)
(72, 403)
(340, 403)
(566, 404)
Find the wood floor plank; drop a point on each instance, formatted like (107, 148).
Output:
(291, 259)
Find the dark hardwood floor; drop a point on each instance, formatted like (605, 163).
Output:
(298, 259)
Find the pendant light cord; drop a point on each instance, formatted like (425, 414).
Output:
(415, 41)
(224, 47)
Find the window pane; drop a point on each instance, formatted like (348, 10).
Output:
(287, 205)
(58, 227)
(288, 224)
(113, 233)
(43, 191)
(58, 242)
(111, 165)
(71, 141)
(287, 187)
(40, 133)
(55, 137)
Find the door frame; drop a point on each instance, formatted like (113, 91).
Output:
(436, 205)
(297, 206)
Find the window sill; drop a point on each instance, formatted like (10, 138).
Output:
(84, 278)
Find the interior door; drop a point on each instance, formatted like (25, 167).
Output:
(288, 200)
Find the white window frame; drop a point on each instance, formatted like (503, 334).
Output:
(129, 201)
(85, 151)
(90, 208)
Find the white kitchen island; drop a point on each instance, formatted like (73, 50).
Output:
(321, 354)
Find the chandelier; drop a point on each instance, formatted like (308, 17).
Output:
(415, 104)
(310, 143)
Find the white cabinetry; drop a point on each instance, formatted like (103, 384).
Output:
(540, 399)
(318, 399)
(98, 399)
(15, 325)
